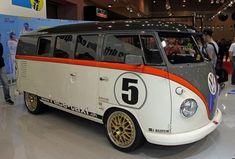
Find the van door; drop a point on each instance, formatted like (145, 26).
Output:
(138, 89)
(84, 77)
(55, 74)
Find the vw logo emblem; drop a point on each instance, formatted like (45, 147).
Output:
(212, 83)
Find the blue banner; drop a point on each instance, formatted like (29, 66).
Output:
(22, 3)
(12, 27)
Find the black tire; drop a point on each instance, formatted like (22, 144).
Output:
(126, 136)
(33, 104)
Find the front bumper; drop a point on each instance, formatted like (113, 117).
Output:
(187, 137)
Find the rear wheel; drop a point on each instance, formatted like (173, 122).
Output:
(32, 103)
(123, 131)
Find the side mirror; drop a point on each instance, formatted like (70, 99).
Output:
(134, 60)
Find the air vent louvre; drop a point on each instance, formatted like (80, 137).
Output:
(24, 69)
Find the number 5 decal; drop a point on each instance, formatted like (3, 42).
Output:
(130, 90)
(133, 98)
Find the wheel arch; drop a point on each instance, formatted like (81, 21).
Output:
(140, 139)
(112, 109)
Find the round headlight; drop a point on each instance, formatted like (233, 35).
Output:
(188, 108)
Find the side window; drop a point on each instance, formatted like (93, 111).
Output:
(151, 50)
(64, 47)
(86, 47)
(27, 45)
(44, 46)
(116, 47)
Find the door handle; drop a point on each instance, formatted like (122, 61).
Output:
(104, 79)
(73, 74)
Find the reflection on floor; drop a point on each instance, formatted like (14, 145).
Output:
(58, 135)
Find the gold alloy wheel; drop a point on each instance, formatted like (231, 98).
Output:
(31, 101)
(121, 129)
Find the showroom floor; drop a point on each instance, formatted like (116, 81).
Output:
(58, 135)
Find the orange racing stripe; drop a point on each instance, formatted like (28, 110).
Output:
(126, 67)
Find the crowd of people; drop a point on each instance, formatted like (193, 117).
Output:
(218, 51)
(224, 46)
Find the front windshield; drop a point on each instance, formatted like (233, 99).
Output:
(180, 48)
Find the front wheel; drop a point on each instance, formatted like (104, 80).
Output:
(32, 103)
(123, 131)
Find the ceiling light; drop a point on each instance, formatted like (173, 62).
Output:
(183, 5)
(225, 7)
(168, 6)
(199, 1)
(212, 1)
(110, 5)
(154, 1)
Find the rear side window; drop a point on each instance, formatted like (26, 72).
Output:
(27, 45)
(64, 47)
(151, 50)
(116, 47)
(86, 47)
(44, 46)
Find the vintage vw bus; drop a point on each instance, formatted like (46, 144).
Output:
(142, 79)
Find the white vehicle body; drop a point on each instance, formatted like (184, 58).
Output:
(91, 88)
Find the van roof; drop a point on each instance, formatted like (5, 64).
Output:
(142, 24)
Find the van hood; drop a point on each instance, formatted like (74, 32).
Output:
(199, 75)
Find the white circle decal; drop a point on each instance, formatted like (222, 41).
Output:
(130, 90)
(212, 84)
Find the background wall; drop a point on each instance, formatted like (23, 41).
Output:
(221, 29)
(65, 9)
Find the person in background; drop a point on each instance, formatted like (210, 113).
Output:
(26, 29)
(12, 45)
(172, 46)
(202, 46)
(3, 77)
(222, 50)
(228, 44)
(232, 57)
(211, 46)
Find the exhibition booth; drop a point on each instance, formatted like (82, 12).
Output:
(116, 79)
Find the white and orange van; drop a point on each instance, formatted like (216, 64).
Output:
(142, 79)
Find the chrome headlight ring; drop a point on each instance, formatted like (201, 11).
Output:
(188, 108)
